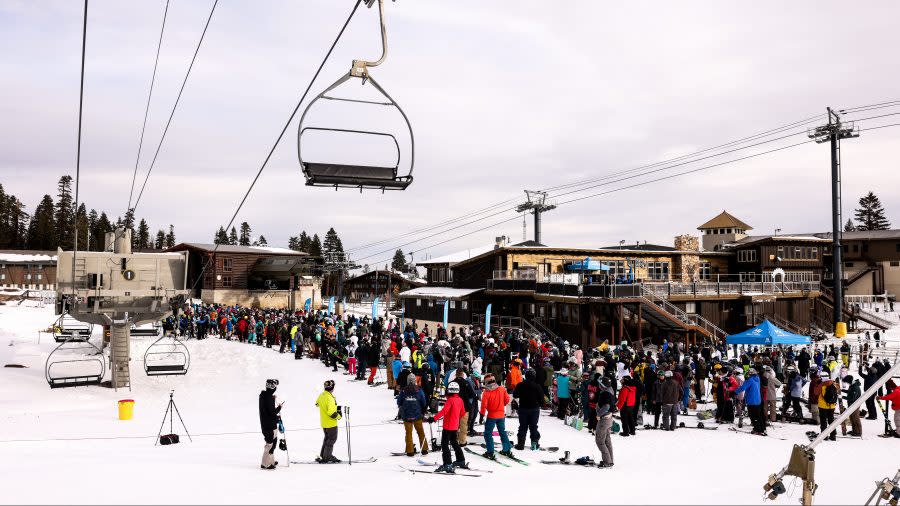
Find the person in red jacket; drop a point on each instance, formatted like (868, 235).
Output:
(894, 398)
(626, 405)
(494, 399)
(452, 411)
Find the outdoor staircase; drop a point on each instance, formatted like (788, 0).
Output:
(662, 310)
(876, 321)
(120, 355)
(783, 323)
(539, 327)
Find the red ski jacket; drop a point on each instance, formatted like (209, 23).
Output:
(451, 412)
(626, 397)
(894, 397)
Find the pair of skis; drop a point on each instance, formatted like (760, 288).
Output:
(360, 461)
(498, 461)
(734, 429)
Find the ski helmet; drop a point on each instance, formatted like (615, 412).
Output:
(271, 384)
(530, 374)
(453, 388)
(329, 385)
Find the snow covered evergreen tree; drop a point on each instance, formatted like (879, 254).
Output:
(64, 215)
(233, 237)
(244, 238)
(143, 235)
(399, 262)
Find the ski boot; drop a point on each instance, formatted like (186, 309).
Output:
(489, 455)
(445, 468)
(334, 460)
(604, 465)
(461, 464)
(584, 461)
(507, 453)
(520, 445)
(565, 458)
(535, 446)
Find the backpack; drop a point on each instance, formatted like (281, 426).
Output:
(830, 394)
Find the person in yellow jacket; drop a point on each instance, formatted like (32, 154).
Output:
(329, 414)
(828, 401)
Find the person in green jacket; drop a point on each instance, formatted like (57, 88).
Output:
(853, 393)
(329, 414)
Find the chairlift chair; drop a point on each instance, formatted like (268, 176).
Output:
(338, 175)
(61, 378)
(67, 328)
(174, 362)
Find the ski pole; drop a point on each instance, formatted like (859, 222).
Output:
(347, 427)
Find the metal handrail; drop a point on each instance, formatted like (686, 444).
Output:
(694, 320)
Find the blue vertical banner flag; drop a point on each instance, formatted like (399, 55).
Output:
(487, 320)
(307, 305)
(375, 309)
(446, 312)
(403, 317)
(331, 305)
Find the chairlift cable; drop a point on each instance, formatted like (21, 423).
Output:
(147, 108)
(278, 139)
(175, 106)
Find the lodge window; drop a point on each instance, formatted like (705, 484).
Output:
(226, 281)
(616, 267)
(452, 304)
(898, 247)
(464, 304)
(705, 270)
(430, 303)
(3, 276)
(847, 248)
(564, 313)
(748, 255)
(28, 277)
(658, 270)
(747, 276)
(227, 263)
(893, 264)
(418, 302)
(574, 315)
(865, 247)
(798, 252)
(690, 307)
(856, 248)
(37, 277)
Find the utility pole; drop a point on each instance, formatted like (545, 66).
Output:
(537, 203)
(833, 132)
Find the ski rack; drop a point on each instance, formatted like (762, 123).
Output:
(887, 489)
(177, 368)
(75, 380)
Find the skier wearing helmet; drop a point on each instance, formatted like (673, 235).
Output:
(268, 421)
(452, 411)
(329, 414)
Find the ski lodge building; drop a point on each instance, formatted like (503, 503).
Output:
(644, 292)
(28, 269)
(254, 276)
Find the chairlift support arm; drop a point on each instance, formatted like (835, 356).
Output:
(361, 67)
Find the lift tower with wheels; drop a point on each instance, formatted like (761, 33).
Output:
(118, 289)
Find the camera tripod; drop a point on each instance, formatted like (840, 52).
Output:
(171, 411)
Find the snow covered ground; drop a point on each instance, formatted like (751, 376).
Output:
(67, 445)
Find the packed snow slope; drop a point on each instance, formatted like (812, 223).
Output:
(67, 445)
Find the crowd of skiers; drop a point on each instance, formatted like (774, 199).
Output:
(480, 379)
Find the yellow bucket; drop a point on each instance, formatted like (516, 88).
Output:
(126, 409)
(840, 330)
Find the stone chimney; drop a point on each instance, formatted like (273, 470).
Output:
(687, 242)
(687, 265)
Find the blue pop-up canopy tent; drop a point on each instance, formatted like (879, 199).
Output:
(586, 265)
(767, 334)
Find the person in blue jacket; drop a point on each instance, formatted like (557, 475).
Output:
(753, 401)
(563, 393)
(412, 404)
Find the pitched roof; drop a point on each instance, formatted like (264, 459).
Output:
(225, 248)
(725, 220)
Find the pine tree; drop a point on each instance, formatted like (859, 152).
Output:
(221, 236)
(261, 241)
(143, 235)
(304, 242)
(170, 237)
(233, 237)
(5, 225)
(128, 223)
(83, 226)
(244, 239)
(20, 219)
(294, 243)
(64, 215)
(92, 243)
(849, 227)
(399, 262)
(42, 229)
(870, 214)
(160, 241)
(365, 268)
(315, 246)
(99, 234)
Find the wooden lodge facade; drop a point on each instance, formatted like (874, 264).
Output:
(635, 292)
(384, 284)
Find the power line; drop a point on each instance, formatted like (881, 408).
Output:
(280, 136)
(147, 108)
(175, 106)
(876, 117)
(607, 176)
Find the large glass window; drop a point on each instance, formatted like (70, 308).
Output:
(658, 271)
(705, 271)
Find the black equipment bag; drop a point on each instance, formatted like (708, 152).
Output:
(168, 439)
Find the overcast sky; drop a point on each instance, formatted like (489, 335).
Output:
(502, 96)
